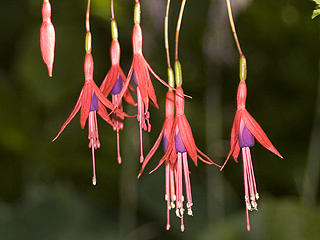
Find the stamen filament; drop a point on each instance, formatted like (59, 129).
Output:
(179, 186)
(94, 178)
(167, 196)
(187, 181)
(141, 121)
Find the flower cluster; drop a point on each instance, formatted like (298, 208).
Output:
(176, 133)
(178, 143)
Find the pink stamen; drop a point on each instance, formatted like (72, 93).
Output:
(248, 223)
(250, 189)
(118, 147)
(182, 225)
(94, 178)
(168, 194)
(187, 182)
(93, 140)
(117, 120)
(173, 197)
(170, 188)
(179, 201)
(142, 119)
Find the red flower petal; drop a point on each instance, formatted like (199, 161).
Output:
(102, 111)
(152, 151)
(85, 103)
(234, 145)
(127, 96)
(171, 149)
(187, 137)
(143, 78)
(73, 113)
(258, 133)
(109, 81)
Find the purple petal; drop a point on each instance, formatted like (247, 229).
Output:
(134, 78)
(245, 137)
(94, 103)
(179, 144)
(165, 143)
(117, 86)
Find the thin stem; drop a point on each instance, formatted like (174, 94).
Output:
(87, 17)
(233, 28)
(112, 10)
(166, 30)
(183, 3)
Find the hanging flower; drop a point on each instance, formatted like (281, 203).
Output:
(244, 130)
(140, 72)
(113, 84)
(47, 37)
(250, 123)
(90, 102)
(177, 145)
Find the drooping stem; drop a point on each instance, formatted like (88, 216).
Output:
(233, 28)
(166, 30)
(112, 10)
(183, 3)
(87, 17)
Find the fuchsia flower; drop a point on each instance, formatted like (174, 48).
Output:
(113, 83)
(90, 102)
(140, 72)
(47, 37)
(177, 145)
(244, 130)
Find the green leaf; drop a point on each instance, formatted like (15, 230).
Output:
(316, 12)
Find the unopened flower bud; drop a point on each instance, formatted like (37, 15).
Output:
(47, 37)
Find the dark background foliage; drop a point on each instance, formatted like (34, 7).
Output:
(45, 187)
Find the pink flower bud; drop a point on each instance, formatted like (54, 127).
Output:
(47, 37)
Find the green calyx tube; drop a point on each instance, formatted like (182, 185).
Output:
(137, 12)
(170, 78)
(114, 30)
(178, 73)
(88, 42)
(243, 68)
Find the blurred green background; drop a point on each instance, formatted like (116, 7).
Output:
(45, 187)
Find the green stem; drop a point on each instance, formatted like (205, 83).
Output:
(166, 33)
(87, 17)
(183, 3)
(233, 28)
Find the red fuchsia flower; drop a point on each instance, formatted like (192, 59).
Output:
(113, 84)
(90, 102)
(140, 72)
(47, 37)
(244, 130)
(181, 139)
(178, 144)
